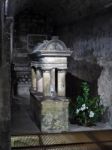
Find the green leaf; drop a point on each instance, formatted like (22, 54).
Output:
(91, 103)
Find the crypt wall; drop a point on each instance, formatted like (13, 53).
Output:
(4, 84)
(30, 28)
(90, 40)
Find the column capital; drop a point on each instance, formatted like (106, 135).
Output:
(46, 70)
(38, 68)
(62, 70)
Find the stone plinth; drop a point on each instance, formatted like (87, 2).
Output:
(54, 116)
(51, 115)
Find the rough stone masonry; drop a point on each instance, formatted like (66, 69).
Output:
(91, 42)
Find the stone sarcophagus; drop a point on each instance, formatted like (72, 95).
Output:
(48, 97)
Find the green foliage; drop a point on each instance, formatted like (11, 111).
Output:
(88, 110)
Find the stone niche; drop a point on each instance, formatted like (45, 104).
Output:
(48, 91)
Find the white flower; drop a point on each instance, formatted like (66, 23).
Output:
(91, 114)
(77, 111)
(83, 107)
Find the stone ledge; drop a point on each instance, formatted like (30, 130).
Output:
(99, 126)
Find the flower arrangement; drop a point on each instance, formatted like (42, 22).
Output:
(88, 110)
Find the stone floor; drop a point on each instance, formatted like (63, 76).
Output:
(22, 122)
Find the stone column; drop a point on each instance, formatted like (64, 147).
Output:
(61, 83)
(33, 76)
(39, 81)
(52, 87)
(46, 82)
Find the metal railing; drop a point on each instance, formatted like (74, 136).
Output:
(63, 141)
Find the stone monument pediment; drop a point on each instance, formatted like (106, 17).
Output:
(53, 47)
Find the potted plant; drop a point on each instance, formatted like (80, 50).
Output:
(88, 110)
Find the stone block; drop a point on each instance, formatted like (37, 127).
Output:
(54, 116)
(23, 90)
(51, 115)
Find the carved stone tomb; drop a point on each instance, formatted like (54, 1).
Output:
(48, 97)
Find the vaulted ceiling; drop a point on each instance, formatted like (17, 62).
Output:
(61, 11)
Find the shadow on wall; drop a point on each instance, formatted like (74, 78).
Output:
(73, 87)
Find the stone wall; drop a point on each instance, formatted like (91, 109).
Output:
(28, 23)
(4, 89)
(30, 28)
(91, 42)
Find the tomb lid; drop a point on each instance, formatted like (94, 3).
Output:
(52, 45)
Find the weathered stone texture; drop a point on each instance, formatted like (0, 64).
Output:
(91, 43)
(84, 69)
(50, 115)
(110, 115)
(90, 39)
(54, 116)
(105, 86)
